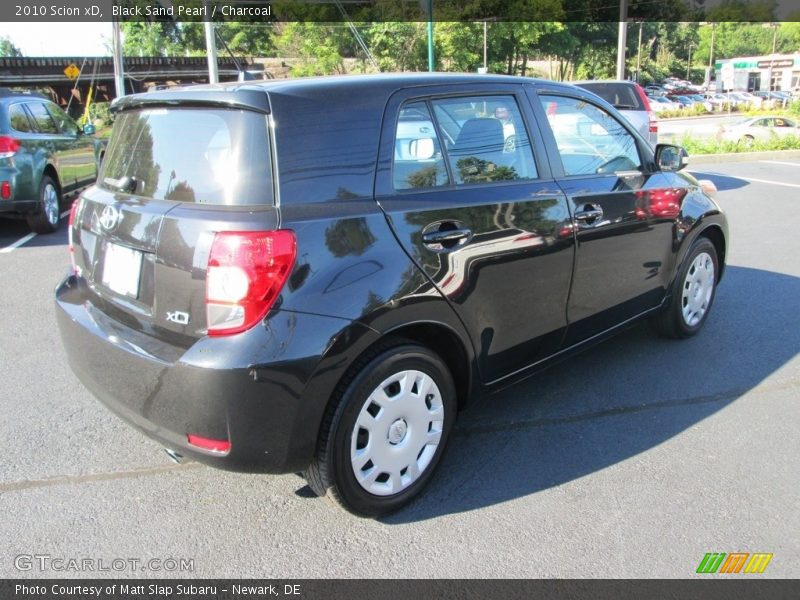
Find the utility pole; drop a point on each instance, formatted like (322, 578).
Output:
(711, 51)
(689, 61)
(485, 69)
(622, 39)
(116, 52)
(775, 27)
(211, 49)
(431, 62)
(639, 54)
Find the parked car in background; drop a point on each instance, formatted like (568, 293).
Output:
(746, 131)
(655, 90)
(721, 102)
(746, 99)
(661, 104)
(325, 295)
(630, 99)
(701, 99)
(44, 157)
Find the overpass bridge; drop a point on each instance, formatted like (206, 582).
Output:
(141, 74)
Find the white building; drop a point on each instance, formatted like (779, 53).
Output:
(753, 73)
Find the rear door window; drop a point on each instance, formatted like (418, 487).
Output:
(589, 139)
(44, 122)
(210, 156)
(486, 140)
(19, 119)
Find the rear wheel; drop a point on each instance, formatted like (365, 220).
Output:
(48, 213)
(692, 294)
(381, 442)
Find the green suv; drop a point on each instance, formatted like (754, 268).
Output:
(44, 157)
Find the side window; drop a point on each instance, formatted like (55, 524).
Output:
(44, 122)
(418, 161)
(589, 139)
(19, 119)
(63, 120)
(485, 139)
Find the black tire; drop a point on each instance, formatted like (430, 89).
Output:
(48, 212)
(680, 319)
(332, 470)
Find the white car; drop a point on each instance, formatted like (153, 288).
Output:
(749, 130)
(661, 103)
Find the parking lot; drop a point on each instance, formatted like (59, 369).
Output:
(633, 459)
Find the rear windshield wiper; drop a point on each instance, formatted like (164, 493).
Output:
(126, 184)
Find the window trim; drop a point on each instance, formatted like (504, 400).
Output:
(519, 97)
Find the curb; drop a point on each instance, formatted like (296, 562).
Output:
(705, 159)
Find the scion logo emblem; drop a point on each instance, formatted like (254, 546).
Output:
(110, 218)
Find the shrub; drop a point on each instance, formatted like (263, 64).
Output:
(714, 146)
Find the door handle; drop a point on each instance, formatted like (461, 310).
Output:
(445, 235)
(589, 213)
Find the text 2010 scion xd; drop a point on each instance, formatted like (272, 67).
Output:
(316, 275)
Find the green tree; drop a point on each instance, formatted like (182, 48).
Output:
(7, 48)
(320, 46)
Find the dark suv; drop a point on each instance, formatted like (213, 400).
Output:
(317, 275)
(44, 156)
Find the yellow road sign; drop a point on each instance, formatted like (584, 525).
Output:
(72, 71)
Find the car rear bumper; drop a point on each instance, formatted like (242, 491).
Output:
(18, 206)
(246, 389)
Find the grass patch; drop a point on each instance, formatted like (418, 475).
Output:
(712, 146)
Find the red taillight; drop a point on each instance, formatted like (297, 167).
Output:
(221, 446)
(246, 272)
(653, 128)
(8, 146)
(5, 190)
(73, 215)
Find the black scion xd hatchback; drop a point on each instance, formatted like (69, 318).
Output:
(316, 275)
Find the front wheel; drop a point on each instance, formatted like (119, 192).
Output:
(692, 294)
(48, 213)
(381, 442)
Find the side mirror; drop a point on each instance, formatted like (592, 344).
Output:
(88, 129)
(671, 158)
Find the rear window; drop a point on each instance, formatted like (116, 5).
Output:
(209, 156)
(619, 95)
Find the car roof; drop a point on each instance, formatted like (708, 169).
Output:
(8, 95)
(252, 93)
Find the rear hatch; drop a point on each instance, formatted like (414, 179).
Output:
(179, 168)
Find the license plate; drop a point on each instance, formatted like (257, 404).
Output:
(122, 269)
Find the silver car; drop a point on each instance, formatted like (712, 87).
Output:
(630, 99)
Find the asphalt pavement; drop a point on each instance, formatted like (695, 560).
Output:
(633, 459)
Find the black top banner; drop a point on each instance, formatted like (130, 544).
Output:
(400, 10)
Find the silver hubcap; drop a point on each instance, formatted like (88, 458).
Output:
(50, 201)
(397, 433)
(697, 289)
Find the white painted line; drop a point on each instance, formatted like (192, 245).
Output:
(18, 243)
(24, 240)
(791, 185)
(781, 162)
